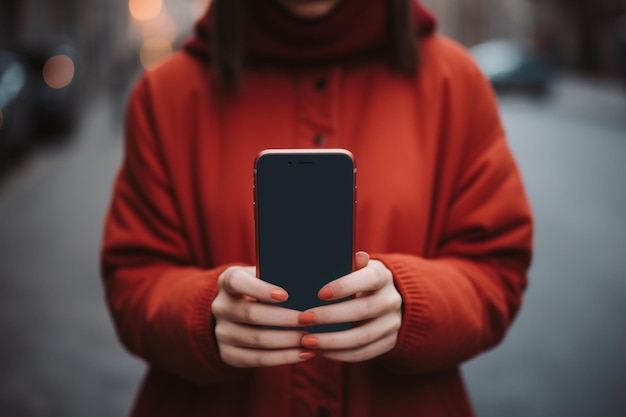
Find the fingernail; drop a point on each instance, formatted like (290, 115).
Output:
(326, 293)
(307, 318)
(279, 295)
(306, 355)
(309, 341)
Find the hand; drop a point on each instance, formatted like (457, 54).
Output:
(376, 307)
(241, 340)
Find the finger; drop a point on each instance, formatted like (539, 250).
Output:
(353, 310)
(239, 281)
(371, 351)
(361, 258)
(355, 338)
(248, 358)
(356, 309)
(254, 313)
(367, 279)
(256, 337)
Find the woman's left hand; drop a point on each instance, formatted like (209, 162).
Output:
(376, 310)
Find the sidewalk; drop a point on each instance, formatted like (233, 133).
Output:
(58, 352)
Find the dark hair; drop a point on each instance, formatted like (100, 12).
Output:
(228, 34)
(227, 42)
(403, 54)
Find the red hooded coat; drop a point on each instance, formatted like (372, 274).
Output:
(440, 203)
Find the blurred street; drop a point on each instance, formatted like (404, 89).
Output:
(564, 356)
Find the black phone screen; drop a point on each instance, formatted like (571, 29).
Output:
(304, 222)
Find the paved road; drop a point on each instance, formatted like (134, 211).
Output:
(563, 357)
(565, 354)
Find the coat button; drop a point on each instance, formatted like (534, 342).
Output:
(320, 84)
(323, 412)
(319, 139)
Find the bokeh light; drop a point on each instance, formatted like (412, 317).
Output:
(154, 51)
(11, 82)
(58, 71)
(144, 9)
(161, 26)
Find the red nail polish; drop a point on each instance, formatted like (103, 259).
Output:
(279, 295)
(307, 318)
(326, 293)
(309, 341)
(306, 355)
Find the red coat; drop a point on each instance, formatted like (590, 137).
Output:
(440, 202)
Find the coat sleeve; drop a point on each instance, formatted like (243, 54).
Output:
(461, 299)
(160, 303)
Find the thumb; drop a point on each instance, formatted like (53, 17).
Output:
(361, 259)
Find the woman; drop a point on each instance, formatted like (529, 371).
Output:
(443, 224)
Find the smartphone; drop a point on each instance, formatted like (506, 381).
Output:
(305, 216)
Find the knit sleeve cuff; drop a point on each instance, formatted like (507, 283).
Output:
(203, 328)
(416, 314)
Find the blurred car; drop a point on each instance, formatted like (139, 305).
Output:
(510, 66)
(39, 97)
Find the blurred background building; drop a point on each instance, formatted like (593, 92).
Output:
(579, 35)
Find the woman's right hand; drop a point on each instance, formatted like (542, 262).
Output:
(243, 341)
